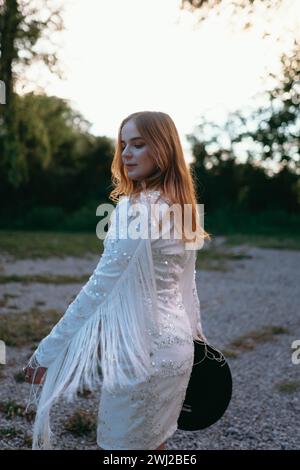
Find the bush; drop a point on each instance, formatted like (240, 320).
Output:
(81, 423)
(42, 218)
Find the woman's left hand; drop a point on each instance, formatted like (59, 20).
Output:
(29, 374)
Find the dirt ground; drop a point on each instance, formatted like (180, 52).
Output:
(250, 311)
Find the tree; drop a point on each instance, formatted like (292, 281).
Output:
(65, 166)
(268, 135)
(275, 127)
(23, 23)
(236, 9)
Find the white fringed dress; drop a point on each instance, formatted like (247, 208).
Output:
(130, 332)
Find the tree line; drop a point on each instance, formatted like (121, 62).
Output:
(54, 171)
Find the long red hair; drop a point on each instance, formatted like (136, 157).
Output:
(173, 177)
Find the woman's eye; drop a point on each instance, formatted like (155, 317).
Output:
(136, 145)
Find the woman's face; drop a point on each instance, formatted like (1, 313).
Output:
(135, 153)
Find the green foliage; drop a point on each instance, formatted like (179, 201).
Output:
(43, 217)
(251, 339)
(54, 172)
(234, 9)
(43, 279)
(82, 219)
(32, 136)
(268, 179)
(10, 432)
(81, 423)
(12, 409)
(288, 386)
(230, 220)
(22, 25)
(67, 169)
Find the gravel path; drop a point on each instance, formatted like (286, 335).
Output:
(256, 292)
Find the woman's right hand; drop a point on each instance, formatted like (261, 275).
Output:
(201, 337)
(29, 374)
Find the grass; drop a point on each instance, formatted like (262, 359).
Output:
(3, 302)
(264, 241)
(288, 387)
(10, 296)
(10, 432)
(85, 393)
(27, 440)
(22, 244)
(19, 377)
(37, 244)
(44, 279)
(2, 369)
(12, 409)
(276, 228)
(229, 353)
(251, 339)
(21, 329)
(81, 423)
(215, 258)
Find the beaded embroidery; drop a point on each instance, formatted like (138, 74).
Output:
(146, 404)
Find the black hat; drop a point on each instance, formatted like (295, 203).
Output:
(209, 390)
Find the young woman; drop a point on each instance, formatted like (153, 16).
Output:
(130, 329)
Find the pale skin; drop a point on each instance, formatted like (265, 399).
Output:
(134, 151)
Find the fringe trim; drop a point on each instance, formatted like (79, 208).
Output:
(114, 341)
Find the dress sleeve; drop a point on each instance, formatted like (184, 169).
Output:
(196, 309)
(188, 279)
(190, 296)
(100, 289)
(104, 336)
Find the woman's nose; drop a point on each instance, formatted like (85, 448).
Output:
(126, 154)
